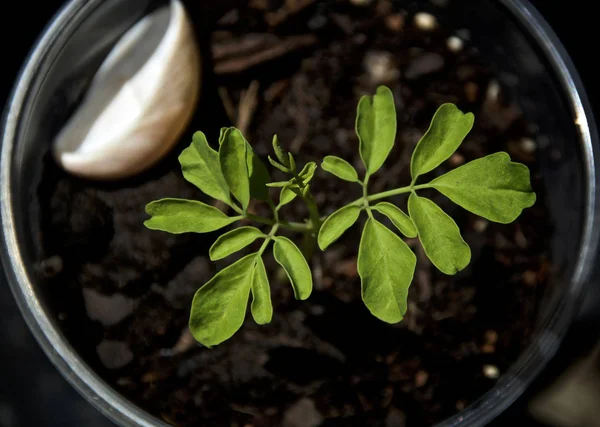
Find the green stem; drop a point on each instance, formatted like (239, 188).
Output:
(313, 210)
(268, 239)
(385, 194)
(397, 191)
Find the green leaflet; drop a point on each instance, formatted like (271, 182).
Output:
(279, 153)
(336, 224)
(447, 130)
(307, 172)
(386, 266)
(219, 307)
(439, 235)
(200, 166)
(376, 127)
(275, 164)
(261, 307)
(293, 262)
(233, 241)
(185, 216)
(340, 168)
(402, 221)
(492, 187)
(286, 196)
(233, 159)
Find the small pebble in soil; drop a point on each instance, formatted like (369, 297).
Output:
(480, 225)
(457, 159)
(493, 92)
(529, 278)
(471, 91)
(421, 378)
(395, 418)
(52, 266)
(114, 354)
(360, 2)
(491, 371)
(528, 145)
(380, 67)
(395, 22)
(107, 309)
(423, 65)
(303, 413)
(425, 21)
(455, 44)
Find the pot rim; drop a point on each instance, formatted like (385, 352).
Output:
(124, 412)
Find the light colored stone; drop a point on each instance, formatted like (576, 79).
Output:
(425, 21)
(303, 413)
(139, 102)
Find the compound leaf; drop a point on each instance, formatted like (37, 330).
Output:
(293, 262)
(386, 266)
(257, 174)
(336, 224)
(439, 235)
(492, 187)
(233, 241)
(340, 168)
(376, 127)
(402, 221)
(200, 166)
(185, 216)
(219, 307)
(447, 130)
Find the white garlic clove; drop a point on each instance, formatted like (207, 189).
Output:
(139, 102)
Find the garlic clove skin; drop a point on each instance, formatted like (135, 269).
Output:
(139, 102)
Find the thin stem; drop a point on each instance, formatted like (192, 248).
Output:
(313, 210)
(389, 193)
(397, 191)
(292, 226)
(268, 239)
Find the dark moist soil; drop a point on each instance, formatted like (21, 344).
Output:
(122, 292)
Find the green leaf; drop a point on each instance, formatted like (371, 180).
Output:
(219, 307)
(233, 241)
(278, 166)
(286, 196)
(292, 162)
(200, 166)
(293, 262)
(336, 224)
(447, 130)
(185, 216)
(258, 174)
(261, 308)
(376, 127)
(307, 172)
(439, 235)
(340, 168)
(279, 153)
(402, 221)
(233, 159)
(386, 266)
(492, 187)
(280, 184)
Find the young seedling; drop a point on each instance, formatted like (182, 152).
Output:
(492, 187)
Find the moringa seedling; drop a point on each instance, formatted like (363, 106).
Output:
(492, 187)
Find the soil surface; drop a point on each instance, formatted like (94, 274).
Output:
(297, 68)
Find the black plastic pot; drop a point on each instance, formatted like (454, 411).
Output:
(510, 33)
